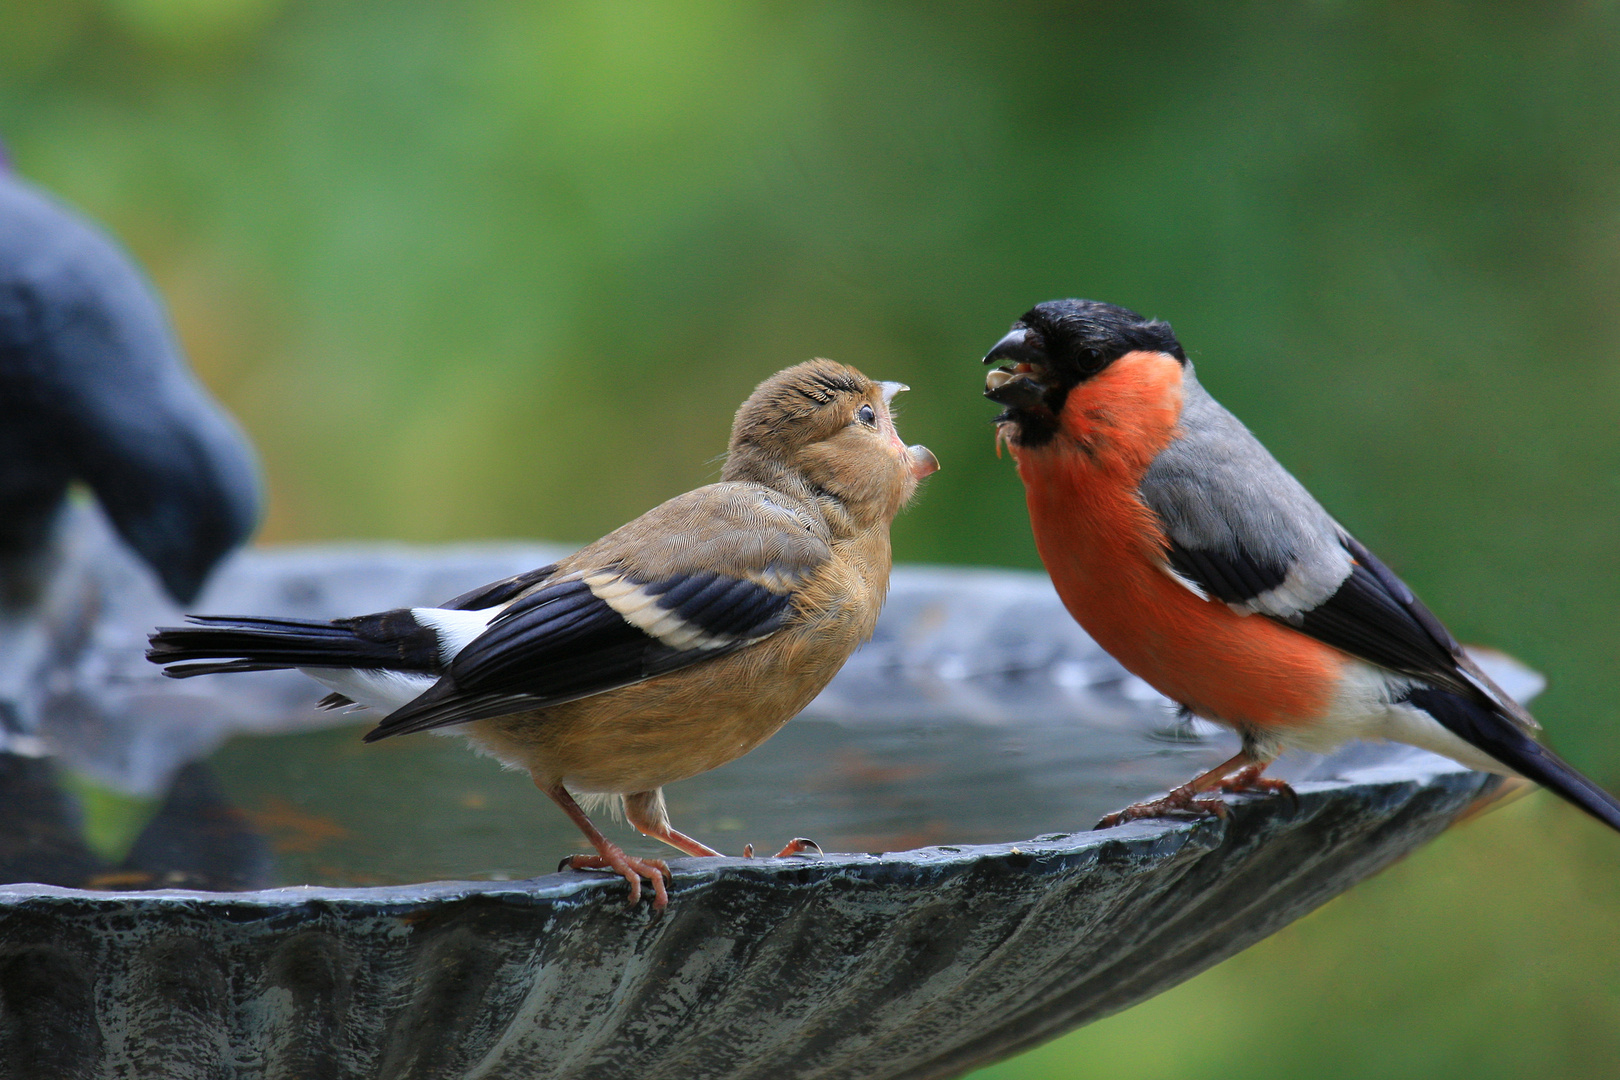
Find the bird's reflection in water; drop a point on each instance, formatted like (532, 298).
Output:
(196, 840)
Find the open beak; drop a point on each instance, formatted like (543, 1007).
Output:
(923, 461)
(1017, 382)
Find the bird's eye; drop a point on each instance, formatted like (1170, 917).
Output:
(866, 415)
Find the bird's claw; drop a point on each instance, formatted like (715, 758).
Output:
(632, 869)
(1248, 781)
(1180, 802)
(1184, 801)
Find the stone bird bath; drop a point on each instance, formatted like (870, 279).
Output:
(372, 923)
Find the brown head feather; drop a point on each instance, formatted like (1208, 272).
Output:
(803, 431)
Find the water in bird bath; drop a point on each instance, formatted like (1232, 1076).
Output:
(319, 807)
(336, 812)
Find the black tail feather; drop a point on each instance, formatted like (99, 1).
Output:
(1508, 743)
(225, 667)
(229, 643)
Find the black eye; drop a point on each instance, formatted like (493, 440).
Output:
(866, 415)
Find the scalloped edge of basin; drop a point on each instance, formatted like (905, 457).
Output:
(924, 963)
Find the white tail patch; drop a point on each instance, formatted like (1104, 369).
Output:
(455, 628)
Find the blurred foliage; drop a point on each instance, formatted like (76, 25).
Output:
(506, 268)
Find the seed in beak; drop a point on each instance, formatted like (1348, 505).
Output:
(996, 378)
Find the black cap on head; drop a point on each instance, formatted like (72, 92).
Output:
(1057, 345)
(1085, 336)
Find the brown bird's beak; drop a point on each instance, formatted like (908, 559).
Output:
(1017, 382)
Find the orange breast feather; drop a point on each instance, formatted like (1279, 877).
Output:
(1102, 546)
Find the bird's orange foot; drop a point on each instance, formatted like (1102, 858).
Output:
(1248, 781)
(631, 869)
(1180, 802)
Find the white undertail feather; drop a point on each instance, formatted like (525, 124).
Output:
(1367, 706)
(375, 688)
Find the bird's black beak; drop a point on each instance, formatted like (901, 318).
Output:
(1011, 349)
(1017, 382)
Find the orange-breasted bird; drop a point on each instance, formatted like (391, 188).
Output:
(1182, 546)
(674, 644)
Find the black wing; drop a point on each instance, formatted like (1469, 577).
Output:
(1235, 579)
(588, 635)
(499, 592)
(1372, 615)
(1243, 530)
(496, 592)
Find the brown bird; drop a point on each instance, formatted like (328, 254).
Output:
(674, 644)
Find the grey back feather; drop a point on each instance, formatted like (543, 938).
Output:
(1216, 488)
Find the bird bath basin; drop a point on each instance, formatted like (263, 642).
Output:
(389, 910)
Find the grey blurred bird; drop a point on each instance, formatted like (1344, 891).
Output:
(670, 646)
(93, 389)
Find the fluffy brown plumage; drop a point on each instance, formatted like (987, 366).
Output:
(672, 645)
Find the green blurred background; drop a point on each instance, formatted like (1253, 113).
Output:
(488, 269)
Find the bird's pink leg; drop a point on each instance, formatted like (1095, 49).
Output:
(611, 856)
(636, 810)
(1238, 773)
